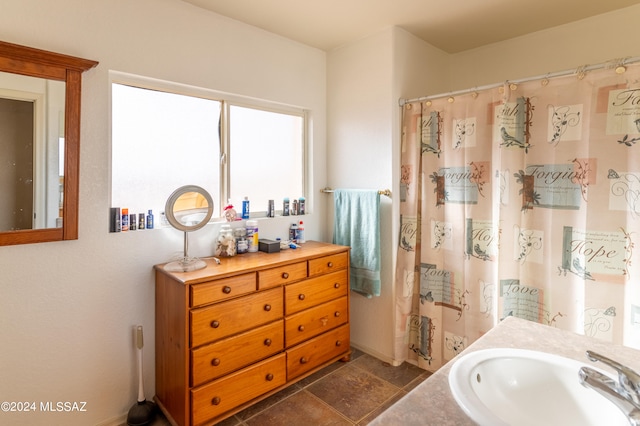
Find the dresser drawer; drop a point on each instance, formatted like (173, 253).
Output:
(311, 354)
(323, 265)
(307, 324)
(216, 291)
(234, 316)
(282, 275)
(220, 396)
(217, 359)
(314, 291)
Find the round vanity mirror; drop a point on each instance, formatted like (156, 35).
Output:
(188, 209)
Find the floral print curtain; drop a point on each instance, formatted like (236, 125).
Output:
(521, 200)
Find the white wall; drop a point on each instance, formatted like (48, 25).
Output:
(67, 310)
(365, 80)
(358, 153)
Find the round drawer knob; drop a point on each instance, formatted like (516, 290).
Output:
(215, 324)
(226, 289)
(301, 328)
(285, 275)
(338, 343)
(330, 264)
(336, 285)
(301, 296)
(215, 400)
(215, 362)
(267, 307)
(269, 377)
(303, 360)
(336, 314)
(267, 342)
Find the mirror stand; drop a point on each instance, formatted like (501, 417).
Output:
(189, 208)
(186, 263)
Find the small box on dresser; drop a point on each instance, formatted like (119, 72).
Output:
(232, 334)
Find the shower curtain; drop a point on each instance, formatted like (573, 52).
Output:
(520, 200)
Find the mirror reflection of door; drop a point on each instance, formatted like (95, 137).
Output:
(16, 170)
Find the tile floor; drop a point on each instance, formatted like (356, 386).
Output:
(342, 394)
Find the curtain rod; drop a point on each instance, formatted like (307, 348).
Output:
(614, 63)
(386, 192)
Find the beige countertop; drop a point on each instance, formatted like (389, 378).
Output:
(431, 402)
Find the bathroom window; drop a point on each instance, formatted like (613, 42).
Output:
(164, 136)
(265, 156)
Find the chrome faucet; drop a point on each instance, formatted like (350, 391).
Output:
(624, 393)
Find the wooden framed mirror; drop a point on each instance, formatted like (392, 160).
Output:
(44, 68)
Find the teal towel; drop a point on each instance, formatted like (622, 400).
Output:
(357, 224)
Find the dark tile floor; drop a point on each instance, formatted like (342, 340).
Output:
(342, 394)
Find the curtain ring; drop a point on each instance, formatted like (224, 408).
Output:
(545, 80)
(428, 103)
(450, 99)
(581, 72)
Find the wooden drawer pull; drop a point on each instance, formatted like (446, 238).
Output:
(330, 264)
(267, 342)
(336, 285)
(285, 275)
(215, 323)
(269, 377)
(267, 307)
(338, 343)
(301, 328)
(226, 289)
(215, 362)
(301, 296)
(215, 400)
(336, 314)
(303, 360)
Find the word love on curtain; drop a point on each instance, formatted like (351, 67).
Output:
(522, 200)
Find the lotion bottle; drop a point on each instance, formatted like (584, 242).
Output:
(150, 220)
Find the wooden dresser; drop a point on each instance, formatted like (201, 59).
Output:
(232, 334)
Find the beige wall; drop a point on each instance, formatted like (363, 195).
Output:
(368, 77)
(567, 47)
(67, 310)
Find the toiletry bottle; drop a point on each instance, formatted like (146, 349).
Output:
(242, 245)
(150, 220)
(301, 206)
(271, 209)
(252, 235)
(293, 230)
(285, 207)
(245, 208)
(125, 220)
(141, 223)
(300, 234)
(294, 208)
(115, 217)
(132, 222)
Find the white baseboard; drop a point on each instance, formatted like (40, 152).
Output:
(376, 354)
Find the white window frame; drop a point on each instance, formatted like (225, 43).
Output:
(226, 100)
